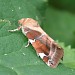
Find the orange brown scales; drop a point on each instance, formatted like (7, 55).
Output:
(40, 47)
(44, 45)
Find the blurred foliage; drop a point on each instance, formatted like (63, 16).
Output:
(15, 59)
(63, 4)
(60, 25)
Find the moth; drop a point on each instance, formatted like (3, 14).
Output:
(46, 48)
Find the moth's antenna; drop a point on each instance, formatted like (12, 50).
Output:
(38, 21)
(37, 18)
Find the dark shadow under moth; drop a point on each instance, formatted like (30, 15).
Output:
(49, 51)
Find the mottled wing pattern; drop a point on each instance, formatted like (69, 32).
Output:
(48, 50)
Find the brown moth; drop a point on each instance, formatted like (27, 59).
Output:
(49, 51)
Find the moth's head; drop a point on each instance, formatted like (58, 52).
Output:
(28, 22)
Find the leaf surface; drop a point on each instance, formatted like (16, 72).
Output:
(15, 59)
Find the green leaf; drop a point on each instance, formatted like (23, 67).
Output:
(6, 71)
(61, 25)
(63, 4)
(69, 56)
(15, 59)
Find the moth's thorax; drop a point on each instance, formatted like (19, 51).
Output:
(25, 30)
(31, 24)
(28, 22)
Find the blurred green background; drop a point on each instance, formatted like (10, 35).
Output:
(56, 17)
(60, 18)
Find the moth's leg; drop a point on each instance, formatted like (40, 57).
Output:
(28, 44)
(17, 29)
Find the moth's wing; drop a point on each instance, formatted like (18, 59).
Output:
(48, 50)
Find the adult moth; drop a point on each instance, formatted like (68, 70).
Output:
(49, 51)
